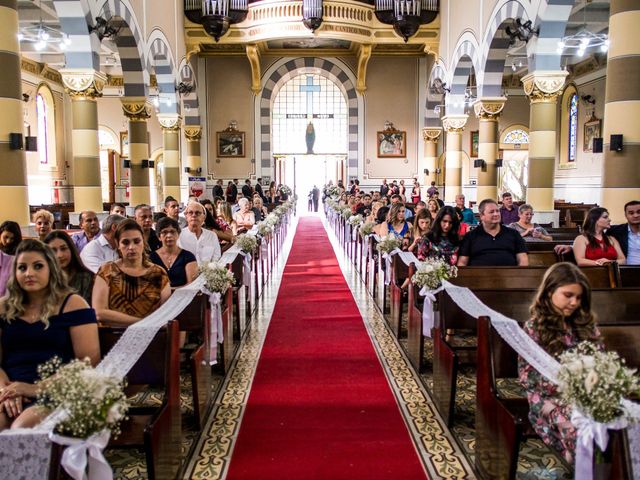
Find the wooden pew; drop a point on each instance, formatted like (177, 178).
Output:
(542, 259)
(399, 273)
(157, 429)
(628, 275)
(226, 349)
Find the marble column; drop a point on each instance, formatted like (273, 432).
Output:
(430, 136)
(138, 111)
(84, 86)
(193, 136)
(621, 171)
(454, 126)
(488, 111)
(170, 124)
(543, 90)
(13, 174)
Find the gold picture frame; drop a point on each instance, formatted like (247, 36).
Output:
(230, 143)
(592, 129)
(124, 144)
(392, 144)
(474, 141)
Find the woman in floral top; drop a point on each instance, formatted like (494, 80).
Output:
(442, 241)
(560, 319)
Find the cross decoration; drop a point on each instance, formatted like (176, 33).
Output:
(310, 88)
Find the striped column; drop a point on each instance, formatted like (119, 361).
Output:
(543, 89)
(193, 136)
(170, 124)
(488, 111)
(137, 110)
(13, 174)
(431, 136)
(621, 175)
(454, 126)
(84, 86)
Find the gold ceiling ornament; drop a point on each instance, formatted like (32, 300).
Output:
(253, 54)
(364, 55)
(193, 134)
(454, 123)
(83, 82)
(169, 121)
(430, 134)
(137, 110)
(544, 86)
(489, 108)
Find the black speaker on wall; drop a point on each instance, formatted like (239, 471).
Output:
(15, 141)
(31, 144)
(616, 143)
(498, 162)
(598, 145)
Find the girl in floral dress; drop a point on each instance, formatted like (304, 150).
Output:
(560, 319)
(442, 241)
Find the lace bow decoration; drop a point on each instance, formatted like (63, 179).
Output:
(81, 453)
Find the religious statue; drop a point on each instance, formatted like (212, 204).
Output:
(310, 138)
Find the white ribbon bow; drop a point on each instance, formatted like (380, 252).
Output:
(216, 333)
(589, 431)
(428, 315)
(74, 458)
(246, 272)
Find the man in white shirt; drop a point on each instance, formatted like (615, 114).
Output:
(102, 249)
(202, 243)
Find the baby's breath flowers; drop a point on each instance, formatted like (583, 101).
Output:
(247, 242)
(217, 277)
(366, 228)
(388, 244)
(355, 220)
(430, 273)
(92, 400)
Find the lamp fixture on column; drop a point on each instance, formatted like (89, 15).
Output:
(104, 29)
(406, 16)
(216, 15)
(312, 14)
(520, 31)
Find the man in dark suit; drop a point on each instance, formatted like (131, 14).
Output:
(247, 190)
(315, 197)
(218, 191)
(628, 234)
(258, 189)
(384, 188)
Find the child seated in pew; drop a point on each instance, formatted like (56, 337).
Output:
(442, 241)
(40, 318)
(561, 318)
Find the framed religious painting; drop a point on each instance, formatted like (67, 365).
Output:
(124, 144)
(474, 140)
(392, 143)
(230, 142)
(592, 129)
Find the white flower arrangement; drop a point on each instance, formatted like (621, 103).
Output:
(388, 244)
(366, 228)
(430, 273)
(346, 212)
(247, 242)
(93, 401)
(284, 190)
(596, 381)
(280, 210)
(217, 277)
(333, 191)
(355, 220)
(272, 219)
(264, 228)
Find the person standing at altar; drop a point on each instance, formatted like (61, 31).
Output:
(40, 318)
(203, 243)
(561, 318)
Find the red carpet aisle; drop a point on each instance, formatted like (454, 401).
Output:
(320, 406)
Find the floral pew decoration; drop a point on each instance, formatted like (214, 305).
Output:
(247, 244)
(429, 276)
(388, 246)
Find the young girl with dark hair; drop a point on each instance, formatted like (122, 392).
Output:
(443, 240)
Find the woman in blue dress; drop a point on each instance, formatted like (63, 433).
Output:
(395, 224)
(40, 318)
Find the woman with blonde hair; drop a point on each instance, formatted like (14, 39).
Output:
(395, 224)
(433, 208)
(40, 318)
(372, 217)
(561, 318)
(225, 220)
(44, 223)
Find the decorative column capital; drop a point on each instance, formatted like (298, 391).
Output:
(454, 123)
(193, 133)
(136, 109)
(169, 121)
(544, 86)
(83, 82)
(489, 108)
(431, 134)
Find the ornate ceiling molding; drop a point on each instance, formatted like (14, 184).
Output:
(544, 86)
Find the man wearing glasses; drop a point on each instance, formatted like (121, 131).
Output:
(202, 243)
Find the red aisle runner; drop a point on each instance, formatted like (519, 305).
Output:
(320, 406)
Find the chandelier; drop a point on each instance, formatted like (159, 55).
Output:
(312, 14)
(406, 16)
(216, 15)
(583, 40)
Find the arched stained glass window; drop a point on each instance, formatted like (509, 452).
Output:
(43, 134)
(573, 128)
(516, 137)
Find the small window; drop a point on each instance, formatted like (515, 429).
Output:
(43, 132)
(573, 127)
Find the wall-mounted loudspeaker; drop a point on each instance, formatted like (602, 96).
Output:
(15, 141)
(126, 163)
(479, 163)
(498, 162)
(597, 145)
(616, 143)
(31, 144)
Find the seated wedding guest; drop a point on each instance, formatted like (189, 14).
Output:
(421, 227)
(372, 217)
(40, 318)
(627, 234)
(130, 288)
(272, 194)
(79, 277)
(259, 210)
(143, 215)
(381, 220)
(244, 218)
(531, 232)
(44, 223)
(10, 237)
(561, 318)
(118, 209)
(225, 220)
(6, 264)
(594, 246)
(364, 207)
(464, 227)
(90, 229)
(467, 214)
(202, 243)
(442, 241)
(395, 223)
(208, 205)
(508, 213)
(490, 243)
(172, 209)
(180, 265)
(436, 197)
(102, 249)
(433, 207)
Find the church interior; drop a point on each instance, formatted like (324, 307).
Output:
(135, 102)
